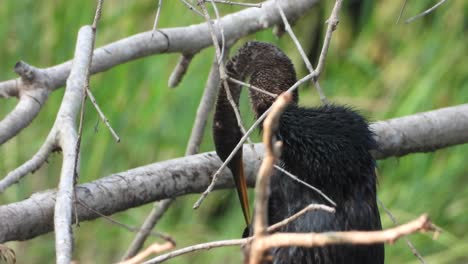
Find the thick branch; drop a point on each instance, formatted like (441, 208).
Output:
(68, 140)
(422, 132)
(121, 191)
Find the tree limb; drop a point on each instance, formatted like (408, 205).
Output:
(186, 40)
(118, 192)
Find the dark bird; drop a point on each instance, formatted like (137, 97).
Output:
(327, 147)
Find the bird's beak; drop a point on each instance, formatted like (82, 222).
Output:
(237, 168)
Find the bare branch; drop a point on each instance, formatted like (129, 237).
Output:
(31, 165)
(262, 187)
(315, 189)
(409, 20)
(156, 19)
(401, 11)
(422, 132)
(154, 216)
(180, 70)
(68, 140)
(185, 40)
(422, 224)
(97, 15)
(235, 3)
(241, 142)
(288, 29)
(332, 24)
(34, 216)
(408, 242)
(102, 116)
(251, 87)
(204, 108)
(32, 90)
(310, 207)
(204, 246)
(153, 249)
(192, 8)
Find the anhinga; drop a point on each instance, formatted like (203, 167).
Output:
(326, 146)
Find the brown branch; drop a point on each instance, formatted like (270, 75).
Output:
(272, 153)
(422, 224)
(151, 250)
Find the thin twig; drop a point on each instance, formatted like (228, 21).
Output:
(408, 242)
(156, 19)
(310, 207)
(223, 76)
(151, 250)
(129, 228)
(332, 24)
(241, 142)
(409, 20)
(198, 247)
(221, 31)
(180, 70)
(191, 7)
(102, 116)
(251, 87)
(309, 66)
(259, 5)
(154, 216)
(204, 108)
(97, 15)
(421, 224)
(401, 11)
(315, 189)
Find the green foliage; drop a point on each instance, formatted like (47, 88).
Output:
(380, 67)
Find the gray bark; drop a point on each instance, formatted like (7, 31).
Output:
(118, 192)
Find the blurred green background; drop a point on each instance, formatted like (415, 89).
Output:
(380, 67)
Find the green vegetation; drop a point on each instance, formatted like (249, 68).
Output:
(382, 68)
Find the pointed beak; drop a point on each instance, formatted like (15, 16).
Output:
(237, 168)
